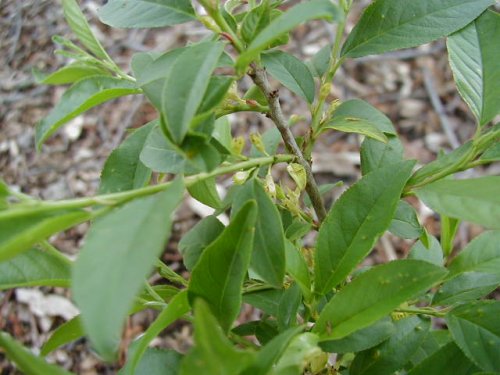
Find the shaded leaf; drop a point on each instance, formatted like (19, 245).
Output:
(405, 223)
(286, 315)
(362, 339)
(265, 300)
(194, 242)
(465, 287)
(476, 330)
(68, 74)
(394, 353)
(123, 170)
(213, 353)
(156, 362)
(433, 254)
(375, 154)
(64, 334)
(297, 267)
(205, 191)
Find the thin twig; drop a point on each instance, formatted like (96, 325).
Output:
(259, 77)
(439, 108)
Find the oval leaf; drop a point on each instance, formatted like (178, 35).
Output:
(26, 361)
(475, 200)
(355, 222)
(300, 13)
(68, 74)
(123, 170)
(218, 276)
(374, 294)
(119, 251)
(476, 331)
(79, 98)
(34, 268)
(387, 25)
(291, 72)
(146, 13)
(473, 53)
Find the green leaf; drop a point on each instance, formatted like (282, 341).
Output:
(375, 154)
(297, 267)
(80, 97)
(433, 254)
(177, 307)
(265, 300)
(355, 125)
(68, 74)
(302, 350)
(123, 170)
(65, 333)
(222, 133)
(473, 54)
(318, 65)
(119, 252)
(213, 353)
(215, 93)
(268, 256)
(405, 223)
(271, 352)
(20, 230)
(26, 361)
(474, 272)
(286, 315)
(374, 294)
(476, 331)
(218, 275)
(431, 344)
(186, 84)
(291, 72)
(34, 268)
(205, 191)
(146, 13)
(355, 222)
(254, 21)
(467, 286)
(362, 339)
(156, 362)
(364, 113)
(160, 155)
(194, 242)
(443, 162)
(394, 353)
(475, 200)
(387, 25)
(300, 13)
(81, 28)
(492, 154)
(449, 360)
(482, 254)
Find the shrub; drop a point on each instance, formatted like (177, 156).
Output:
(426, 314)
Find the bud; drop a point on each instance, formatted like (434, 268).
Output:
(210, 24)
(298, 173)
(270, 186)
(239, 178)
(257, 141)
(325, 89)
(237, 145)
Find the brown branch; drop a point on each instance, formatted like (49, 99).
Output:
(259, 77)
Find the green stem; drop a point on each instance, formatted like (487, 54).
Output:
(50, 249)
(169, 274)
(114, 199)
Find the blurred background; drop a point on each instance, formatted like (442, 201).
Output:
(414, 88)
